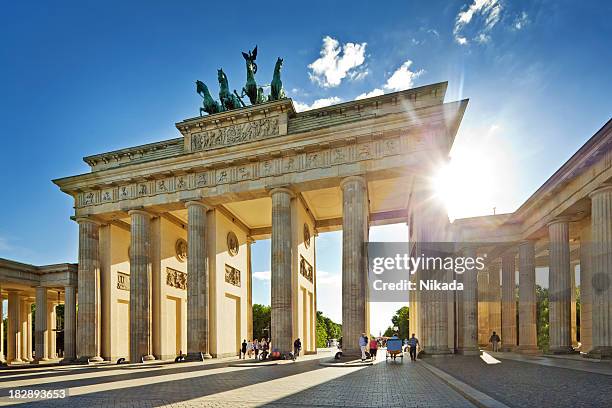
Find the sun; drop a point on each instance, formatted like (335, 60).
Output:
(465, 184)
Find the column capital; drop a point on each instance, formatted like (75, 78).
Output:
(285, 190)
(139, 211)
(606, 187)
(190, 203)
(526, 242)
(559, 220)
(87, 220)
(349, 179)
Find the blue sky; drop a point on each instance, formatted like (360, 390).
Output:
(79, 78)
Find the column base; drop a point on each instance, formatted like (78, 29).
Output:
(197, 356)
(148, 357)
(469, 351)
(528, 350)
(561, 350)
(66, 361)
(435, 351)
(87, 359)
(507, 349)
(600, 353)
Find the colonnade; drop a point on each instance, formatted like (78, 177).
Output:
(595, 285)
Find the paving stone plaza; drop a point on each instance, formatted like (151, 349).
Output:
(306, 383)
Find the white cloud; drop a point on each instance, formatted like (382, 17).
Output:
(487, 11)
(374, 92)
(336, 62)
(402, 78)
(520, 21)
(319, 103)
(262, 276)
(329, 279)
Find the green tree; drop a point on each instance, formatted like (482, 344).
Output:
(542, 317)
(400, 320)
(326, 329)
(262, 316)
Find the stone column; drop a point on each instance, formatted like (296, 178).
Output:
(13, 352)
(51, 331)
(601, 267)
(26, 332)
(494, 301)
(197, 283)
(508, 304)
(249, 289)
(559, 287)
(69, 324)
(2, 351)
(468, 298)
(586, 290)
(354, 263)
(40, 328)
(281, 279)
(483, 308)
(528, 336)
(573, 316)
(88, 324)
(140, 287)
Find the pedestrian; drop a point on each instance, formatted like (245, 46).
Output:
(297, 347)
(413, 343)
(373, 348)
(256, 348)
(363, 345)
(494, 340)
(243, 349)
(250, 349)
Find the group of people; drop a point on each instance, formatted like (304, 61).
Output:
(373, 345)
(253, 348)
(256, 347)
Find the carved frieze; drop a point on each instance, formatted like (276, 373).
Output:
(306, 269)
(176, 279)
(235, 134)
(123, 281)
(265, 167)
(232, 275)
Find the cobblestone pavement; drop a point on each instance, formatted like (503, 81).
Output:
(522, 384)
(304, 383)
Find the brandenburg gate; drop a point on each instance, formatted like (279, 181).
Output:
(165, 229)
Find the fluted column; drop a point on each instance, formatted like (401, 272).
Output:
(69, 324)
(483, 307)
(508, 304)
(197, 283)
(528, 336)
(40, 328)
(13, 352)
(601, 264)
(2, 351)
(26, 329)
(559, 287)
(494, 301)
(51, 331)
(354, 263)
(249, 289)
(88, 324)
(586, 290)
(140, 287)
(281, 279)
(468, 298)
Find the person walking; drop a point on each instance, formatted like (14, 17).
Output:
(373, 348)
(297, 347)
(243, 349)
(256, 348)
(363, 345)
(413, 342)
(250, 349)
(494, 340)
